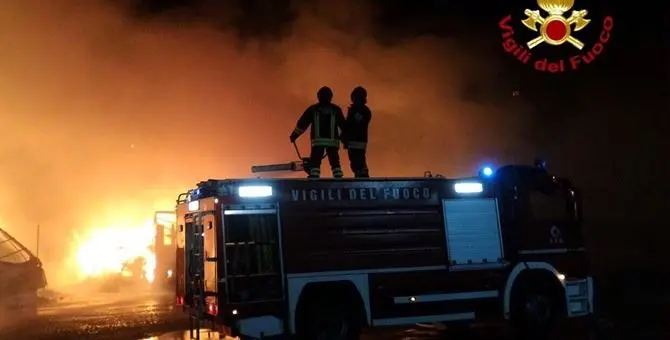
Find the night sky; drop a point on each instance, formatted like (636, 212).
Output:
(605, 125)
(111, 104)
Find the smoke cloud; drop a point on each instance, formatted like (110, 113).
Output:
(105, 112)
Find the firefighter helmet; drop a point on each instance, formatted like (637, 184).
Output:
(325, 95)
(359, 95)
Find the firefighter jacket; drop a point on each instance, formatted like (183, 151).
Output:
(326, 120)
(356, 127)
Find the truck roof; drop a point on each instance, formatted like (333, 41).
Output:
(329, 179)
(438, 185)
(299, 187)
(522, 169)
(321, 182)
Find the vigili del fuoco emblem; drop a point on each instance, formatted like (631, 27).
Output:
(556, 23)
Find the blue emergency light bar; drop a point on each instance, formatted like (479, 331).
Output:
(486, 171)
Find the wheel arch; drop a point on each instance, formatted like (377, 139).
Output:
(303, 289)
(519, 272)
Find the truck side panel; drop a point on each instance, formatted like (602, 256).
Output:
(350, 225)
(331, 241)
(425, 293)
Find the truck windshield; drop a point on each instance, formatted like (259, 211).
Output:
(253, 266)
(11, 251)
(550, 207)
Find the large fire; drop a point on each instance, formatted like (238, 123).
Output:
(115, 249)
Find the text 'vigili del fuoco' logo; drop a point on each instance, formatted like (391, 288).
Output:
(555, 31)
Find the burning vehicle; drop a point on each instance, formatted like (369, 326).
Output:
(18, 264)
(116, 254)
(129, 252)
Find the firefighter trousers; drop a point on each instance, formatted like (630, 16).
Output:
(358, 162)
(333, 159)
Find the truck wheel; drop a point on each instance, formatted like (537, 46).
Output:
(330, 322)
(536, 311)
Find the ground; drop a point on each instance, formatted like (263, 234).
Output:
(636, 312)
(101, 316)
(151, 316)
(144, 315)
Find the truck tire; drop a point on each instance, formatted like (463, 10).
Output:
(536, 310)
(330, 321)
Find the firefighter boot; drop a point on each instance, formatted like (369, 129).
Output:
(334, 160)
(314, 173)
(358, 163)
(337, 172)
(362, 173)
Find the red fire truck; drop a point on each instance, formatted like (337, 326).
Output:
(266, 257)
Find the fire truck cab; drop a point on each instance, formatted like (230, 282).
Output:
(266, 257)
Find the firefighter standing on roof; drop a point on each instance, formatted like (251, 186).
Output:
(326, 120)
(356, 132)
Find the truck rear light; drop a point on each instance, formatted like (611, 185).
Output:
(180, 301)
(212, 309)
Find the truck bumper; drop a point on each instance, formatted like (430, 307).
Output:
(262, 327)
(579, 297)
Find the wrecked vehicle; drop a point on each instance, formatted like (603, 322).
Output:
(21, 276)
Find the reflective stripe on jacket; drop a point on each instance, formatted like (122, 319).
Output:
(326, 121)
